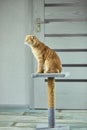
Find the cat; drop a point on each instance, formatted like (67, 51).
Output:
(48, 60)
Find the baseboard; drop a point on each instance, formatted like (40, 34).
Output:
(8, 107)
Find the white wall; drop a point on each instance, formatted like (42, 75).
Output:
(15, 59)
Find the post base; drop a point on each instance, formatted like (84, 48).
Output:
(58, 127)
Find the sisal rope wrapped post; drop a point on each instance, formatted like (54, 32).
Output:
(51, 102)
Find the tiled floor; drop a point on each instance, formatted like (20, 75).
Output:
(27, 120)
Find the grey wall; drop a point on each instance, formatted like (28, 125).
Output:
(15, 58)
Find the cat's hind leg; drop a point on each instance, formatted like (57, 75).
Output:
(51, 71)
(51, 68)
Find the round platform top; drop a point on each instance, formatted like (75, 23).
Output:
(50, 75)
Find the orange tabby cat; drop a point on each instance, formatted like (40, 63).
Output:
(48, 61)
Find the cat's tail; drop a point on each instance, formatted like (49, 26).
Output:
(51, 92)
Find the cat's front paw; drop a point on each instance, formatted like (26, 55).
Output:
(39, 71)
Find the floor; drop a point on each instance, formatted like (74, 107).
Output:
(28, 119)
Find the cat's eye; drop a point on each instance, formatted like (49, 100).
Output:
(33, 37)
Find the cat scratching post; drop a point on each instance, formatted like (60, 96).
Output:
(51, 99)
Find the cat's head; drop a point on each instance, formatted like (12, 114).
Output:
(31, 40)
